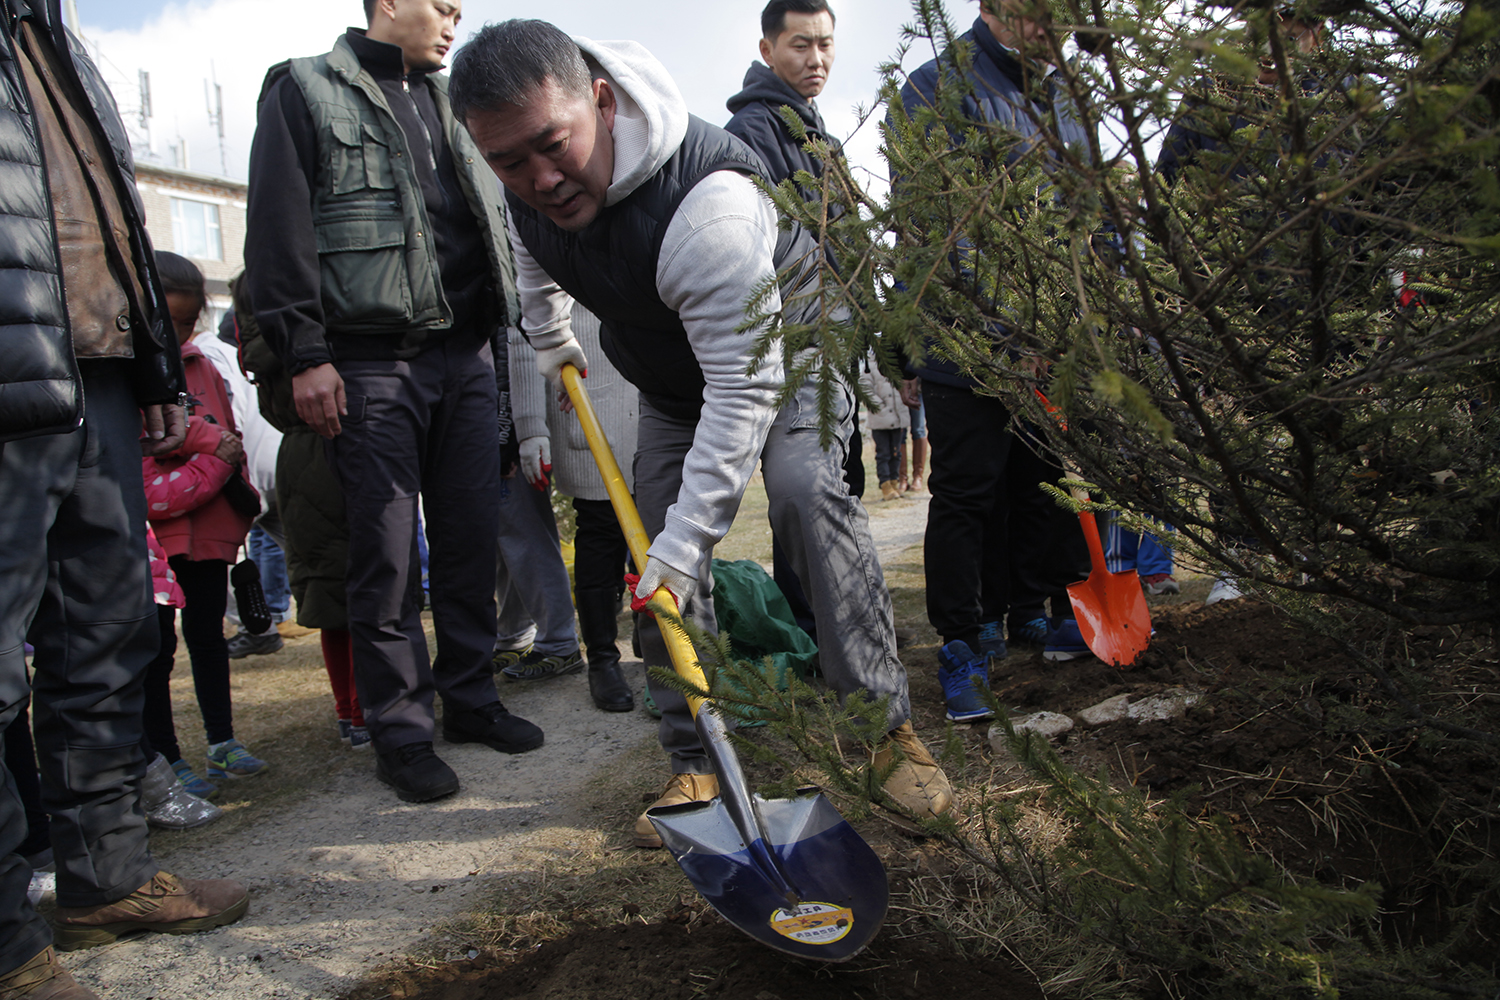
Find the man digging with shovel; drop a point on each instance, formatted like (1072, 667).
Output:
(648, 217)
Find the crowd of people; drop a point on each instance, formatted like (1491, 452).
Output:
(378, 424)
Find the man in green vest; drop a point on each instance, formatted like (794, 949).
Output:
(379, 272)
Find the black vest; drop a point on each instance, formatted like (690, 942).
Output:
(610, 268)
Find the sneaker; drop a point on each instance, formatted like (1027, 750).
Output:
(504, 659)
(43, 978)
(358, 737)
(1224, 589)
(917, 784)
(992, 641)
(167, 904)
(415, 772)
(962, 673)
(194, 784)
(1032, 632)
(231, 760)
(683, 788)
(1158, 584)
(535, 666)
(244, 644)
(491, 725)
(652, 709)
(1065, 642)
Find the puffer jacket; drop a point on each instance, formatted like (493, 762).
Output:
(892, 414)
(184, 489)
(40, 389)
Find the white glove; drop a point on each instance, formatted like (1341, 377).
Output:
(549, 360)
(536, 460)
(659, 574)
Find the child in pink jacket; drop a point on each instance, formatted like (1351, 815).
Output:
(201, 531)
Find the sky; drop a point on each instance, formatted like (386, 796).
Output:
(706, 44)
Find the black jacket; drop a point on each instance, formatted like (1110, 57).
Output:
(757, 120)
(40, 390)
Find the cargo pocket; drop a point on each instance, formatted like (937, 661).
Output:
(346, 157)
(363, 260)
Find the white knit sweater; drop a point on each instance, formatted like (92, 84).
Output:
(538, 415)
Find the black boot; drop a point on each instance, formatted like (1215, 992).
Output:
(597, 608)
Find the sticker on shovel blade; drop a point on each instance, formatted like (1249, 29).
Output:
(813, 923)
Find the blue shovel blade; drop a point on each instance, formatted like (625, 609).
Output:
(837, 898)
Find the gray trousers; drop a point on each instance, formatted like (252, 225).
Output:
(73, 571)
(531, 579)
(825, 534)
(424, 426)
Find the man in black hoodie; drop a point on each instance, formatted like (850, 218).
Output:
(797, 46)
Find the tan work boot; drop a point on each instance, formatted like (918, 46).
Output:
(888, 490)
(167, 904)
(682, 788)
(43, 978)
(918, 783)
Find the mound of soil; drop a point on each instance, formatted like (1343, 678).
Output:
(701, 956)
(1307, 755)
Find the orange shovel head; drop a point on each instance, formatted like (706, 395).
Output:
(1110, 608)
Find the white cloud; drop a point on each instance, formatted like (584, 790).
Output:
(706, 46)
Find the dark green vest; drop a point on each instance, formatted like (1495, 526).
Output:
(380, 268)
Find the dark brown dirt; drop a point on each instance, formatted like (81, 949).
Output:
(1303, 751)
(700, 956)
(1309, 758)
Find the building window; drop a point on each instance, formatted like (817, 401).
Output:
(195, 229)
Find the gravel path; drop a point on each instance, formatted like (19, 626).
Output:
(345, 877)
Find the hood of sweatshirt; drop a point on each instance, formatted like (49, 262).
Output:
(652, 117)
(762, 84)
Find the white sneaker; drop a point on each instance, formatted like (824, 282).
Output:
(1224, 589)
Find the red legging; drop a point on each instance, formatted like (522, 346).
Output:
(338, 658)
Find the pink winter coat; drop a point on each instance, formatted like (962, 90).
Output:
(183, 499)
(164, 586)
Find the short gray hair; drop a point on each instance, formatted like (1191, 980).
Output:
(505, 62)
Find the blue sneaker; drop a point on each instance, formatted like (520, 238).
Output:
(1065, 642)
(992, 641)
(231, 760)
(1030, 633)
(192, 783)
(958, 669)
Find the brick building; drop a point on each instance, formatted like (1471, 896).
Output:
(201, 217)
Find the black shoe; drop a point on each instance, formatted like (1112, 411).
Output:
(609, 689)
(244, 644)
(598, 610)
(491, 725)
(415, 772)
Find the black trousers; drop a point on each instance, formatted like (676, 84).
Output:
(427, 427)
(995, 542)
(73, 570)
(205, 584)
(600, 555)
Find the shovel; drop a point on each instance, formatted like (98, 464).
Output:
(1110, 607)
(791, 873)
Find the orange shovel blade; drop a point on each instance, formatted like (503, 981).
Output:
(1110, 607)
(1112, 616)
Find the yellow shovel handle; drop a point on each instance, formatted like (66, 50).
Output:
(684, 660)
